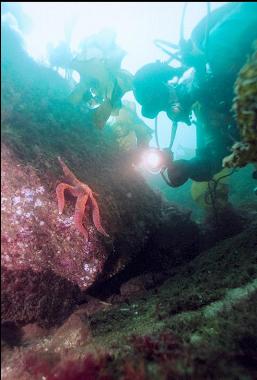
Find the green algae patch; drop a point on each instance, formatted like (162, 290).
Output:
(213, 311)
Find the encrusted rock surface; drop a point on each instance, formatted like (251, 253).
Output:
(245, 107)
(35, 236)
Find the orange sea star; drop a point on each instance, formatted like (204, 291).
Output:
(84, 194)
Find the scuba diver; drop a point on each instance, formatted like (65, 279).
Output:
(203, 84)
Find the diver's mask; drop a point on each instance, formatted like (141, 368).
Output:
(174, 111)
(178, 113)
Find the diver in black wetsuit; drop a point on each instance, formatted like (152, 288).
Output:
(217, 50)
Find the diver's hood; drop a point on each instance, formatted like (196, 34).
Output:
(150, 87)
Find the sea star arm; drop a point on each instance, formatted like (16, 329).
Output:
(79, 214)
(96, 216)
(82, 192)
(60, 195)
(68, 173)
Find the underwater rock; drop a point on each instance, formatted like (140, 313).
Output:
(28, 296)
(34, 238)
(73, 333)
(42, 248)
(33, 332)
(44, 259)
(47, 264)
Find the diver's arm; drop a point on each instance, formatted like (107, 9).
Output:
(206, 163)
(200, 168)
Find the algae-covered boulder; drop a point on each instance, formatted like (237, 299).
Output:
(38, 125)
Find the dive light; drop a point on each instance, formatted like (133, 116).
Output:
(155, 160)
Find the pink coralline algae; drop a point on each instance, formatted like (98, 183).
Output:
(37, 241)
(35, 236)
